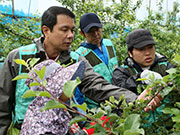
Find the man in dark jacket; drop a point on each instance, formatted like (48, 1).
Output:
(142, 61)
(142, 56)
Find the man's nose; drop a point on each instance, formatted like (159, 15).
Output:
(96, 32)
(147, 51)
(70, 34)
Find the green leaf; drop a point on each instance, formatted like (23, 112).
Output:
(115, 132)
(120, 128)
(29, 93)
(108, 109)
(82, 107)
(113, 117)
(177, 58)
(34, 84)
(167, 110)
(177, 126)
(44, 94)
(32, 93)
(176, 119)
(99, 114)
(178, 104)
(53, 104)
(171, 70)
(70, 86)
(166, 91)
(134, 132)
(165, 78)
(34, 61)
(77, 119)
(174, 111)
(21, 76)
(21, 62)
(101, 133)
(112, 99)
(44, 83)
(141, 79)
(132, 124)
(40, 73)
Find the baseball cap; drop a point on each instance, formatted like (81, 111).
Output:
(88, 21)
(139, 38)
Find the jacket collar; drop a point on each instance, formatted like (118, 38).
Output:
(65, 55)
(89, 45)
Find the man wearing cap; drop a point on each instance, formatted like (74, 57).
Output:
(142, 60)
(98, 51)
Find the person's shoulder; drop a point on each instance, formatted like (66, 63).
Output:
(108, 41)
(13, 52)
(76, 55)
(126, 66)
(81, 58)
(160, 57)
(82, 50)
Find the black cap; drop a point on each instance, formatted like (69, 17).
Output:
(88, 21)
(139, 38)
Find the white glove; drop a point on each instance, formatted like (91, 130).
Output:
(149, 75)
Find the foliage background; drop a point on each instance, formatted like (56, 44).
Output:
(118, 17)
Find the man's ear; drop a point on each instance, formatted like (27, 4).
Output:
(130, 54)
(45, 30)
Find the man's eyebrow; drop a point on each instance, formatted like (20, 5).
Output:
(66, 26)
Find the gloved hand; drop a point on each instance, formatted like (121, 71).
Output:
(148, 74)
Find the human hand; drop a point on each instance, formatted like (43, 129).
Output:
(154, 101)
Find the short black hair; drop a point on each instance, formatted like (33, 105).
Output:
(131, 50)
(49, 17)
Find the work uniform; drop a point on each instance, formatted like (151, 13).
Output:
(92, 85)
(103, 60)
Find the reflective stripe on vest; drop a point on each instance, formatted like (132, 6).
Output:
(98, 65)
(21, 104)
(74, 56)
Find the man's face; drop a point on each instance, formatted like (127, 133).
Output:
(62, 35)
(144, 56)
(94, 35)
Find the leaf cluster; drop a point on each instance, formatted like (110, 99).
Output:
(120, 117)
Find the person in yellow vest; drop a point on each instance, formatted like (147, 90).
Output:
(98, 51)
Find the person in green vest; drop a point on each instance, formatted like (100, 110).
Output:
(57, 26)
(99, 51)
(143, 60)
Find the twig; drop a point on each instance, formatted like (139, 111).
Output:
(155, 95)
